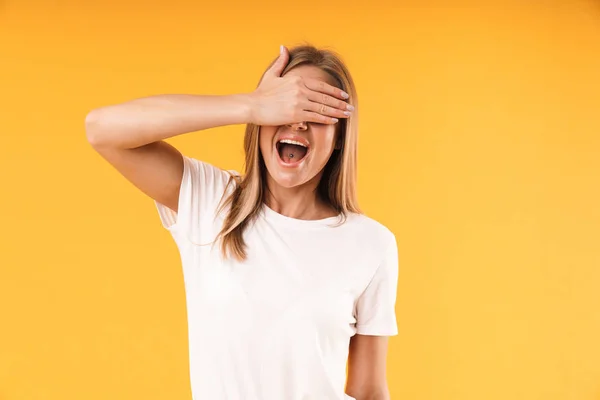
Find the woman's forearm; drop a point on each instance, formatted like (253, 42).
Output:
(150, 119)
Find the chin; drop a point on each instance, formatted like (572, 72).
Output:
(288, 180)
(287, 177)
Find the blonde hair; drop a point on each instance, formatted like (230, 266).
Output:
(338, 183)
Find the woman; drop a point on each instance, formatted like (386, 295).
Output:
(285, 280)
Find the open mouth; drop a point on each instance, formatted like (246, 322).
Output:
(291, 151)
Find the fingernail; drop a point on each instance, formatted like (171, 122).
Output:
(334, 120)
(280, 49)
(347, 113)
(350, 107)
(345, 95)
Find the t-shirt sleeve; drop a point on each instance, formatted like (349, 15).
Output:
(202, 187)
(375, 308)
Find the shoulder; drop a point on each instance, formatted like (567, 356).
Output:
(370, 232)
(206, 166)
(204, 185)
(206, 174)
(369, 226)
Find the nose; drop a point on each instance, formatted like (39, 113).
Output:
(299, 126)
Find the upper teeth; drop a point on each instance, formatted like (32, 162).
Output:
(289, 141)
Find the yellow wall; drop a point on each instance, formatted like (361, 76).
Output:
(480, 149)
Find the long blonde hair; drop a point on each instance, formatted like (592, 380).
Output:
(338, 183)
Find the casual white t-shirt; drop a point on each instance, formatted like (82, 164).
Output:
(277, 326)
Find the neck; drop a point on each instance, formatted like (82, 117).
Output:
(300, 202)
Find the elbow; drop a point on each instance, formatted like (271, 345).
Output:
(92, 128)
(376, 393)
(374, 397)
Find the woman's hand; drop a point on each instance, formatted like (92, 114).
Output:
(292, 99)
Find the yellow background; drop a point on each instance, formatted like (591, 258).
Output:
(479, 148)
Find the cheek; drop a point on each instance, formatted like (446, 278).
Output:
(265, 138)
(325, 142)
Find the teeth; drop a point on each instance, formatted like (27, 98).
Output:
(289, 141)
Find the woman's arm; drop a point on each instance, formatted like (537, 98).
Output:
(130, 135)
(276, 101)
(151, 119)
(367, 368)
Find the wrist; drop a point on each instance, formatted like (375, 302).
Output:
(245, 103)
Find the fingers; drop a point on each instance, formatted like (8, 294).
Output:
(330, 101)
(310, 116)
(323, 87)
(326, 110)
(279, 65)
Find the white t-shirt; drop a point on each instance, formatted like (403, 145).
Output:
(277, 326)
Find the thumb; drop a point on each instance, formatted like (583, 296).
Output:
(281, 61)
